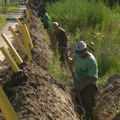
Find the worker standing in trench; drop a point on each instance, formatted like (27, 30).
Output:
(61, 38)
(46, 21)
(85, 74)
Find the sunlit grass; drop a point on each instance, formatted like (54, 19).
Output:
(10, 8)
(2, 21)
(4, 11)
(92, 21)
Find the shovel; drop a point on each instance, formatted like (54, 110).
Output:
(77, 94)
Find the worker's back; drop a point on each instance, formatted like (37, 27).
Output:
(61, 37)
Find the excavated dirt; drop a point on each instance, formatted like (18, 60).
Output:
(107, 106)
(35, 95)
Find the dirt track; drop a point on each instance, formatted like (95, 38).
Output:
(10, 22)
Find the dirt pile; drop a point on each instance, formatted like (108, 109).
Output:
(107, 106)
(34, 94)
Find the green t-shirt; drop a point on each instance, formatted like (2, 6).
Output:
(46, 21)
(85, 68)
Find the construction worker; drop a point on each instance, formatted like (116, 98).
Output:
(85, 74)
(46, 21)
(61, 39)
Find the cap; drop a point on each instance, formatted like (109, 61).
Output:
(46, 14)
(54, 24)
(81, 45)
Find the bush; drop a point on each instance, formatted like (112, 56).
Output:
(92, 21)
(77, 15)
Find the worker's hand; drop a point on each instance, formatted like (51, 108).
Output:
(67, 55)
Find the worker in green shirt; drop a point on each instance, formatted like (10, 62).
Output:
(86, 75)
(46, 21)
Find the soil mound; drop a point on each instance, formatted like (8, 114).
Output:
(35, 95)
(107, 107)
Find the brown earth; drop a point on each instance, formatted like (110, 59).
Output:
(107, 107)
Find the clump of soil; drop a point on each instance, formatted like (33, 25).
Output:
(107, 107)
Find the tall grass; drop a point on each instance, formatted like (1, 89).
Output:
(9, 9)
(92, 21)
(2, 21)
(60, 73)
(4, 10)
(9, 2)
(78, 13)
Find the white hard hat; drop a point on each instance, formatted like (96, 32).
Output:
(54, 24)
(46, 14)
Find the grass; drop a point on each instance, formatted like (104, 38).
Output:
(92, 21)
(60, 73)
(76, 14)
(9, 8)
(2, 21)
(4, 10)
(13, 8)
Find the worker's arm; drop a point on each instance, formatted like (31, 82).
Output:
(67, 56)
(88, 82)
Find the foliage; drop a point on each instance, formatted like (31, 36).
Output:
(77, 14)
(8, 9)
(9, 2)
(61, 73)
(4, 10)
(13, 8)
(2, 20)
(111, 3)
(92, 21)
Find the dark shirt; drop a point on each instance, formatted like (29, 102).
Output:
(46, 22)
(61, 37)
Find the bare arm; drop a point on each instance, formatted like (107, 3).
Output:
(67, 56)
(84, 85)
(87, 82)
